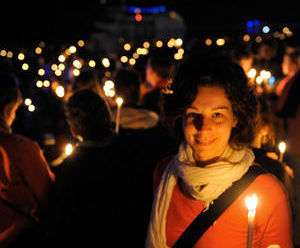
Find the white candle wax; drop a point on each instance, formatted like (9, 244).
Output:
(251, 203)
(119, 101)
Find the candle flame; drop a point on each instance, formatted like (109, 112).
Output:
(282, 146)
(251, 202)
(119, 101)
(68, 149)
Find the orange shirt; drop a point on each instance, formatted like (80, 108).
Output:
(272, 220)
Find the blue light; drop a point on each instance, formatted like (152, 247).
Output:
(148, 10)
(250, 24)
(256, 23)
(266, 29)
(272, 80)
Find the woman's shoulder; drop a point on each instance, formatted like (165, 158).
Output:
(159, 170)
(269, 188)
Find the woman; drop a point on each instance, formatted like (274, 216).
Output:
(25, 177)
(212, 110)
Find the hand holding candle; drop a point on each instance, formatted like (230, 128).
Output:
(119, 101)
(251, 203)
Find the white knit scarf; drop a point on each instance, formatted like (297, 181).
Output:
(202, 183)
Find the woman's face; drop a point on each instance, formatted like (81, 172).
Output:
(207, 124)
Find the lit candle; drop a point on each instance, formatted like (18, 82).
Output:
(119, 102)
(251, 203)
(281, 147)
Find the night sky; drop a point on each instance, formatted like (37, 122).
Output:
(25, 21)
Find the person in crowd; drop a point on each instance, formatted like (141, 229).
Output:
(242, 56)
(212, 111)
(149, 141)
(290, 66)
(26, 178)
(288, 108)
(268, 57)
(87, 200)
(159, 71)
(268, 129)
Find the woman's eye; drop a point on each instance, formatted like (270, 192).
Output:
(192, 115)
(217, 115)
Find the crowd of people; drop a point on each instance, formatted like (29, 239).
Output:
(188, 132)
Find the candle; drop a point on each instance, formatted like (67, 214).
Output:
(119, 101)
(281, 147)
(251, 203)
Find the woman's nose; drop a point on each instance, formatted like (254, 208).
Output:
(201, 123)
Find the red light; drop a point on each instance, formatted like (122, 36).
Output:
(138, 17)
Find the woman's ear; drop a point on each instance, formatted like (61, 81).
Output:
(235, 122)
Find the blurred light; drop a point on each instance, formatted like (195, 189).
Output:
(107, 74)
(135, 55)
(92, 63)
(31, 108)
(181, 50)
(60, 91)
(58, 73)
(46, 83)
(80, 43)
(27, 101)
(9, 54)
(25, 67)
(124, 59)
(159, 43)
(72, 49)
(127, 46)
(259, 80)
(21, 56)
(178, 56)
(110, 93)
(105, 62)
(272, 80)
(68, 52)
(76, 72)
(61, 58)
(138, 17)
(178, 42)
(258, 39)
(3, 53)
(171, 43)
(246, 37)
(146, 44)
(41, 72)
(108, 85)
(250, 24)
(266, 29)
(282, 147)
(61, 67)
(39, 84)
(220, 42)
(251, 73)
(77, 64)
(132, 61)
(54, 67)
(265, 74)
(119, 101)
(208, 42)
(38, 50)
(68, 149)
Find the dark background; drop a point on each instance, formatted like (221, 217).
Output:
(57, 21)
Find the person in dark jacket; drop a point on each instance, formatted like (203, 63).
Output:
(88, 191)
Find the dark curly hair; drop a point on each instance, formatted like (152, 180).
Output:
(88, 114)
(211, 71)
